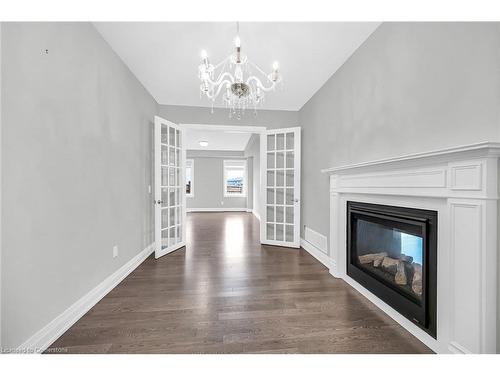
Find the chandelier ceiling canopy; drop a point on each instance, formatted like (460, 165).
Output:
(241, 83)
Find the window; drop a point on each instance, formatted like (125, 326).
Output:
(235, 176)
(189, 178)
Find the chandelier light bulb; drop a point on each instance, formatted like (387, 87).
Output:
(237, 41)
(275, 65)
(204, 54)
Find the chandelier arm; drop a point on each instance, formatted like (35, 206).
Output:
(259, 84)
(260, 70)
(220, 79)
(222, 62)
(221, 85)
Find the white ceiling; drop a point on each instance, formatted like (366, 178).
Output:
(217, 139)
(165, 55)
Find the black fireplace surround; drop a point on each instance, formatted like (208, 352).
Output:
(391, 251)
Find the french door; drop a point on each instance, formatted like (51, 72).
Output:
(170, 190)
(280, 187)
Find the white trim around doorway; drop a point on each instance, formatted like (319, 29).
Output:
(237, 128)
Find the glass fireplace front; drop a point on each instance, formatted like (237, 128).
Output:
(392, 252)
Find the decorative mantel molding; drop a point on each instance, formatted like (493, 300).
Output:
(461, 184)
(475, 150)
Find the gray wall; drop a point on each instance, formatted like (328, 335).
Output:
(208, 181)
(410, 87)
(252, 152)
(76, 165)
(203, 115)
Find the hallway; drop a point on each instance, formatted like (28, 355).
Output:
(225, 293)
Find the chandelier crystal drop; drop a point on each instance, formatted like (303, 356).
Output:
(240, 82)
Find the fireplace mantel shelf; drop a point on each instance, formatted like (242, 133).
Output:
(482, 149)
(461, 185)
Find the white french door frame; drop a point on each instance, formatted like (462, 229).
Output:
(179, 223)
(296, 188)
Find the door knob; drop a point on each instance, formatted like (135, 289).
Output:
(159, 202)
(296, 200)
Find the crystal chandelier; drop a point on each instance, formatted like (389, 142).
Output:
(241, 82)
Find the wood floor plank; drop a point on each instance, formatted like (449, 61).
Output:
(226, 293)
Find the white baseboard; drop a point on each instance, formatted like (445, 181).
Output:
(222, 209)
(317, 253)
(318, 240)
(42, 339)
(256, 214)
(218, 209)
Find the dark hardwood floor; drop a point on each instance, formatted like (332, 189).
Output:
(225, 293)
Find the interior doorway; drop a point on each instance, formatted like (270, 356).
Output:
(222, 168)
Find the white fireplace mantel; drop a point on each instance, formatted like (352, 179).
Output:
(462, 185)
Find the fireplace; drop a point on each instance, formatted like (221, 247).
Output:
(391, 251)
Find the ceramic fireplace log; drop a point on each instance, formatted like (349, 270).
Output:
(400, 277)
(416, 284)
(390, 265)
(402, 268)
(369, 258)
